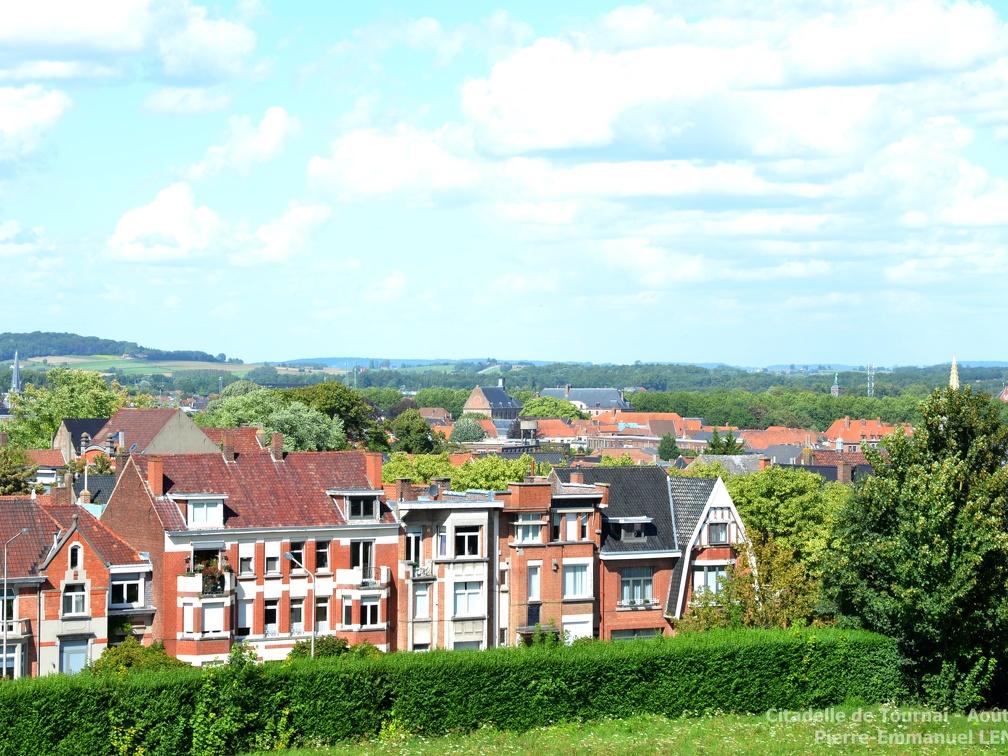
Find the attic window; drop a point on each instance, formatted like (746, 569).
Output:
(718, 533)
(362, 508)
(206, 513)
(633, 530)
(75, 557)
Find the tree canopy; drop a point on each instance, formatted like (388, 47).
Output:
(338, 401)
(492, 472)
(16, 470)
(921, 552)
(668, 448)
(726, 444)
(467, 429)
(304, 428)
(413, 434)
(550, 406)
(624, 460)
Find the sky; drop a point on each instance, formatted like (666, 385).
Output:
(738, 182)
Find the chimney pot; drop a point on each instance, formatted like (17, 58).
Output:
(229, 452)
(276, 447)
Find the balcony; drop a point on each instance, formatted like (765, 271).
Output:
(424, 572)
(651, 603)
(17, 628)
(207, 583)
(366, 580)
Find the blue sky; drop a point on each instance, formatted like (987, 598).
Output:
(668, 181)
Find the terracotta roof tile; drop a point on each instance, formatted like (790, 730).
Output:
(777, 435)
(244, 439)
(555, 428)
(858, 430)
(46, 457)
(140, 425)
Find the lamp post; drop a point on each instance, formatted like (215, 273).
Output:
(3, 612)
(291, 558)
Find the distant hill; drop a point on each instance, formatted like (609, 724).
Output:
(46, 343)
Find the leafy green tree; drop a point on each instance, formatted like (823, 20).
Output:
(622, 461)
(550, 406)
(338, 401)
(452, 400)
(493, 472)
(921, 552)
(420, 468)
(326, 647)
(724, 444)
(16, 470)
(381, 397)
(101, 465)
(130, 656)
(467, 430)
(413, 434)
(703, 470)
(304, 428)
(38, 412)
(667, 447)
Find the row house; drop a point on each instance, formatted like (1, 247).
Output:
(73, 586)
(262, 548)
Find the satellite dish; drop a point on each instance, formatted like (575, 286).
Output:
(433, 490)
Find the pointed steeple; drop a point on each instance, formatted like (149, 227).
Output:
(15, 375)
(954, 376)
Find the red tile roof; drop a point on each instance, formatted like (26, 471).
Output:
(140, 426)
(555, 428)
(244, 439)
(832, 457)
(261, 492)
(779, 435)
(46, 457)
(858, 430)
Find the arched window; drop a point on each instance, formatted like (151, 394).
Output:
(76, 557)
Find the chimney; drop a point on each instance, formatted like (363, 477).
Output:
(155, 476)
(577, 477)
(121, 458)
(500, 382)
(443, 484)
(122, 438)
(401, 484)
(261, 436)
(85, 497)
(373, 469)
(567, 390)
(806, 457)
(228, 449)
(843, 472)
(764, 463)
(276, 447)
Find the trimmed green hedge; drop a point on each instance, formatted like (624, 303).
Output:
(242, 706)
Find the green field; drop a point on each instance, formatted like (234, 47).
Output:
(107, 364)
(712, 734)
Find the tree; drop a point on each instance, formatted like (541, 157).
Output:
(16, 470)
(550, 406)
(724, 445)
(921, 552)
(401, 406)
(38, 412)
(467, 430)
(304, 428)
(130, 656)
(414, 435)
(101, 464)
(336, 400)
(667, 447)
(622, 461)
(452, 400)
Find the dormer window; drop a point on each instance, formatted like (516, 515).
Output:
(76, 558)
(206, 513)
(362, 507)
(718, 533)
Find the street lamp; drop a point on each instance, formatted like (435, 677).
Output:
(4, 610)
(291, 558)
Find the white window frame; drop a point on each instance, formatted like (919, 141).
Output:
(710, 533)
(321, 614)
(528, 528)
(213, 619)
(470, 535)
(370, 610)
(79, 600)
(246, 559)
(188, 619)
(421, 601)
(469, 599)
(414, 546)
(272, 554)
(535, 581)
(295, 613)
(75, 557)
(575, 567)
(710, 572)
(246, 616)
(442, 541)
(271, 629)
(126, 579)
(358, 551)
(206, 513)
(322, 548)
(636, 584)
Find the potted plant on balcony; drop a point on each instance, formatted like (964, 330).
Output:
(213, 579)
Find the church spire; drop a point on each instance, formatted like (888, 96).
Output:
(954, 376)
(15, 375)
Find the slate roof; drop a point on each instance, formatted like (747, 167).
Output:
(498, 398)
(633, 492)
(782, 454)
(554, 458)
(829, 472)
(689, 497)
(78, 425)
(592, 398)
(140, 426)
(736, 464)
(262, 493)
(99, 486)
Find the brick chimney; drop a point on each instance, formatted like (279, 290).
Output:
(276, 447)
(844, 472)
(121, 458)
(373, 469)
(261, 436)
(401, 484)
(443, 484)
(764, 463)
(807, 457)
(846, 422)
(227, 447)
(155, 476)
(577, 477)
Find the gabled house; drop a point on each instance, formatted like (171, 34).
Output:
(74, 587)
(71, 432)
(852, 433)
(150, 431)
(492, 402)
(595, 401)
(219, 527)
(49, 462)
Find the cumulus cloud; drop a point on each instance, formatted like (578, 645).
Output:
(186, 100)
(17, 241)
(248, 144)
(201, 47)
(26, 114)
(173, 227)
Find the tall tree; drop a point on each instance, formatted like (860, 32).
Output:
(304, 428)
(467, 430)
(667, 447)
(726, 444)
(922, 550)
(414, 435)
(16, 470)
(336, 400)
(550, 406)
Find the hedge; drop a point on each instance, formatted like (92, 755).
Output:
(242, 705)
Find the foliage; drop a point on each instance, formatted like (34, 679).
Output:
(726, 444)
(625, 460)
(452, 400)
(304, 428)
(420, 468)
(16, 470)
(700, 469)
(490, 473)
(325, 647)
(407, 403)
(43, 344)
(383, 398)
(38, 412)
(130, 656)
(243, 705)
(467, 429)
(921, 552)
(338, 401)
(667, 447)
(413, 434)
(550, 406)
(101, 464)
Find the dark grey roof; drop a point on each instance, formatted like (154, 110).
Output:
(829, 472)
(736, 464)
(99, 486)
(502, 426)
(554, 458)
(633, 492)
(689, 497)
(782, 454)
(592, 398)
(498, 398)
(77, 425)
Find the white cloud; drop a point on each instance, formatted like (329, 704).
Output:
(56, 69)
(186, 100)
(174, 228)
(26, 114)
(248, 144)
(16, 240)
(196, 45)
(41, 25)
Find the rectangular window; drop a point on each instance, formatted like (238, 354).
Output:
(442, 543)
(246, 559)
(533, 582)
(575, 581)
(245, 610)
(347, 612)
(321, 556)
(421, 601)
(585, 519)
(188, 623)
(361, 556)
(270, 615)
(528, 528)
(272, 557)
(555, 531)
(126, 590)
(469, 599)
(414, 540)
(213, 618)
(369, 611)
(718, 533)
(321, 615)
(74, 599)
(8, 608)
(363, 508)
(708, 578)
(297, 616)
(206, 514)
(297, 553)
(636, 584)
(571, 531)
(467, 540)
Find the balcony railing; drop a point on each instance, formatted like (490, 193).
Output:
(213, 584)
(17, 628)
(423, 571)
(650, 603)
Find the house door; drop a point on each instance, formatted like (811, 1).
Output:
(73, 656)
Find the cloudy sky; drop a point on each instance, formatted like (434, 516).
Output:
(743, 182)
